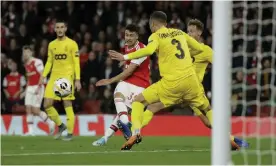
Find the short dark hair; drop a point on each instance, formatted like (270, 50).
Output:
(61, 21)
(27, 47)
(159, 16)
(132, 28)
(199, 25)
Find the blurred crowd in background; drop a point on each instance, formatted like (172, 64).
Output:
(99, 26)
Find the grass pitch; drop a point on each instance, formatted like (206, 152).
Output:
(18, 150)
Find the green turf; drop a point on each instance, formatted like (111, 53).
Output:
(154, 150)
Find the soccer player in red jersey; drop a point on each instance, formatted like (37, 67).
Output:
(34, 92)
(132, 81)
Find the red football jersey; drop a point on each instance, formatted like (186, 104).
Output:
(34, 70)
(13, 82)
(141, 76)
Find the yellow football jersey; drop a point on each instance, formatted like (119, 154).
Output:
(63, 58)
(179, 82)
(202, 60)
(172, 48)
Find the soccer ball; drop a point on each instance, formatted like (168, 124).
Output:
(62, 87)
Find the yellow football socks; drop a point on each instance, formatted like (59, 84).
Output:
(53, 115)
(147, 118)
(209, 115)
(70, 119)
(137, 115)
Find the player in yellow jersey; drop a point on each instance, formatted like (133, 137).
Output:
(200, 61)
(179, 82)
(62, 62)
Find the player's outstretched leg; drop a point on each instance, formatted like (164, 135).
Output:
(236, 143)
(54, 116)
(122, 112)
(33, 103)
(109, 133)
(150, 111)
(137, 118)
(240, 142)
(70, 119)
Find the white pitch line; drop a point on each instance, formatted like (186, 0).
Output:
(105, 152)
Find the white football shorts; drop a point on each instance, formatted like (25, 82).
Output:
(32, 99)
(129, 91)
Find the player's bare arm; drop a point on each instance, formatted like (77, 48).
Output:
(116, 55)
(126, 73)
(78, 85)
